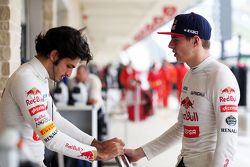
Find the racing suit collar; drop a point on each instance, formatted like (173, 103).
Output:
(201, 65)
(39, 68)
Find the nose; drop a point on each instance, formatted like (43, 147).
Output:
(171, 44)
(69, 72)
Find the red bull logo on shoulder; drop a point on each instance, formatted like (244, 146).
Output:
(228, 90)
(33, 91)
(187, 103)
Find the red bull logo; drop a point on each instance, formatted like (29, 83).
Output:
(191, 116)
(73, 147)
(228, 99)
(35, 136)
(89, 155)
(228, 90)
(33, 91)
(39, 117)
(187, 103)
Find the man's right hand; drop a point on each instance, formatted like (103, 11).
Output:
(108, 149)
(134, 155)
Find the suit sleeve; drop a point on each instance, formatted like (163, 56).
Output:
(33, 98)
(226, 97)
(70, 129)
(164, 141)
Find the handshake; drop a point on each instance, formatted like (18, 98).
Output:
(114, 148)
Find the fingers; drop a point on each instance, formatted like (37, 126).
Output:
(134, 155)
(110, 149)
(118, 141)
(117, 146)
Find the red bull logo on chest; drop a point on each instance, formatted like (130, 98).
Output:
(228, 90)
(33, 91)
(187, 103)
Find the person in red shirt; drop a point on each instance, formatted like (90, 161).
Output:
(129, 77)
(168, 75)
(155, 83)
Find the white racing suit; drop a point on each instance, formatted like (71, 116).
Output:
(26, 105)
(207, 120)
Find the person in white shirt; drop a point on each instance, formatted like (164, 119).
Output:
(208, 118)
(92, 82)
(27, 106)
(94, 91)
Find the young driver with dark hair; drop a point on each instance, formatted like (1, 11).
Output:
(27, 106)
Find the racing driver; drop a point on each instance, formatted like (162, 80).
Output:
(208, 118)
(27, 106)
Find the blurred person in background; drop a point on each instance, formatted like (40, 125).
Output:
(92, 82)
(129, 77)
(155, 82)
(208, 117)
(119, 70)
(108, 77)
(94, 91)
(168, 75)
(136, 99)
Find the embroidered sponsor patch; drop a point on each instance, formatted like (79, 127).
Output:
(191, 131)
(47, 129)
(231, 120)
(187, 103)
(50, 136)
(35, 136)
(228, 90)
(37, 109)
(228, 108)
(42, 121)
(33, 91)
(226, 163)
(228, 130)
(191, 116)
(88, 155)
(73, 147)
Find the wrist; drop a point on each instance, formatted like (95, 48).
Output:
(140, 153)
(97, 144)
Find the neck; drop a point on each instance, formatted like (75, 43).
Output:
(47, 64)
(198, 58)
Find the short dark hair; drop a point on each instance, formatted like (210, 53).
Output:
(66, 40)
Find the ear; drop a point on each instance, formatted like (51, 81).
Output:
(53, 56)
(196, 41)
